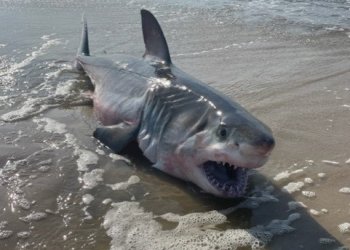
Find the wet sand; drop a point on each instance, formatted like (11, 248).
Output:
(295, 78)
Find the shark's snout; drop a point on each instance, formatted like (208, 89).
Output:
(264, 145)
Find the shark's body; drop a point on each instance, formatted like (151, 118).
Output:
(183, 126)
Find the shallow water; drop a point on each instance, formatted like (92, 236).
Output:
(285, 61)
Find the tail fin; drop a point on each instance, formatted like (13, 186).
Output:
(84, 44)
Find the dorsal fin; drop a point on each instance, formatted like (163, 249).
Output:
(156, 45)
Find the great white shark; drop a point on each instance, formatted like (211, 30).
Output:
(184, 127)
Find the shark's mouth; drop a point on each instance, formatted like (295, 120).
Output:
(228, 179)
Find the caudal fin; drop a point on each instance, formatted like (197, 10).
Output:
(84, 44)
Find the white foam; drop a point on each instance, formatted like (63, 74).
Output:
(34, 216)
(293, 187)
(347, 161)
(130, 227)
(87, 198)
(334, 163)
(308, 194)
(3, 224)
(325, 211)
(344, 227)
(50, 125)
(4, 234)
(345, 190)
(91, 179)
(100, 151)
(124, 185)
(286, 174)
(64, 88)
(31, 106)
(23, 234)
(88, 216)
(9, 72)
(321, 175)
(86, 158)
(116, 157)
(24, 204)
(308, 180)
(106, 201)
(314, 212)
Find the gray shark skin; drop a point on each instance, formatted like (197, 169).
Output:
(183, 126)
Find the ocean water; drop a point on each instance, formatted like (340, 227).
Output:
(287, 62)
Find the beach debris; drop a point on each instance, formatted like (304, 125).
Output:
(309, 194)
(293, 187)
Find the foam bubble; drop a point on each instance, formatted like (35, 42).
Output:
(286, 174)
(50, 125)
(314, 212)
(308, 194)
(344, 227)
(345, 190)
(64, 88)
(100, 151)
(124, 185)
(4, 234)
(106, 201)
(347, 161)
(34, 216)
(321, 175)
(116, 157)
(293, 187)
(23, 234)
(88, 198)
(325, 211)
(130, 227)
(308, 180)
(24, 204)
(334, 163)
(16, 67)
(91, 179)
(86, 158)
(31, 107)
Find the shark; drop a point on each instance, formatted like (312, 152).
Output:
(185, 127)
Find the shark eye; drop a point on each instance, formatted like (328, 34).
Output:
(222, 132)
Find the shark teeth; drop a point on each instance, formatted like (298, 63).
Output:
(227, 178)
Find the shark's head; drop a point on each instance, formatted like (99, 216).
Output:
(219, 154)
(193, 132)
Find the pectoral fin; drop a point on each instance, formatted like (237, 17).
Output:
(116, 137)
